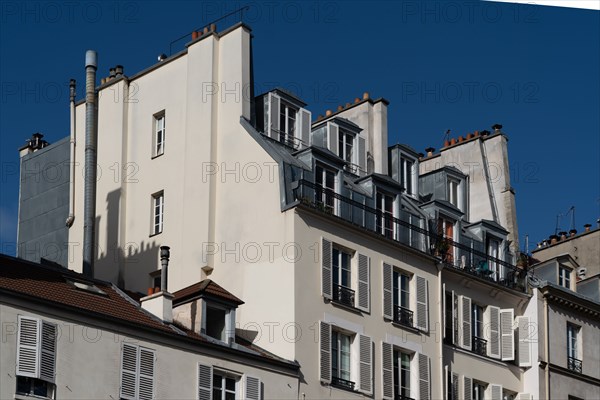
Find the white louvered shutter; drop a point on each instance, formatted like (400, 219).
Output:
(523, 342)
(424, 385)
(387, 370)
(524, 396)
(494, 392)
(465, 322)
(455, 325)
(48, 351)
(493, 327)
(326, 269)
(304, 120)
(325, 352)
(273, 129)
(333, 137)
(422, 286)
(362, 154)
(252, 388)
(205, 382)
(467, 388)
(507, 334)
(364, 287)
(129, 371)
(28, 347)
(366, 364)
(455, 386)
(388, 298)
(146, 376)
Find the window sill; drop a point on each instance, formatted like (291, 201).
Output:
(408, 328)
(346, 307)
(157, 155)
(19, 396)
(344, 388)
(154, 234)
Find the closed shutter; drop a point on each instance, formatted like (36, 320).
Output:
(129, 363)
(467, 388)
(362, 154)
(465, 322)
(27, 347)
(205, 382)
(494, 392)
(387, 370)
(493, 325)
(424, 386)
(333, 138)
(48, 352)
(455, 386)
(146, 376)
(326, 269)
(364, 288)
(304, 119)
(366, 364)
(507, 334)
(455, 324)
(388, 298)
(325, 352)
(252, 388)
(422, 303)
(273, 129)
(524, 342)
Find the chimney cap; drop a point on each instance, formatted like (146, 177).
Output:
(165, 252)
(496, 127)
(430, 149)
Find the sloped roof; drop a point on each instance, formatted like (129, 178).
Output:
(205, 287)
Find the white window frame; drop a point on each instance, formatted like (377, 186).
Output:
(158, 211)
(397, 358)
(321, 181)
(454, 182)
(564, 276)
(288, 132)
(159, 120)
(479, 390)
(493, 248)
(346, 139)
(573, 341)
(380, 221)
(337, 354)
(224, 375)
(405, 174)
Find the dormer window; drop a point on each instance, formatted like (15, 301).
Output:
(406, 174)
(287, 123)
(345, 146)
(385, 214)
(325, 187)
(453, 192)
(216, 318)
(564, 277)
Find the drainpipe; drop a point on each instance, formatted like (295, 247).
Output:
(89, 214)
(547, 348)
(71, 217)
(440, 267)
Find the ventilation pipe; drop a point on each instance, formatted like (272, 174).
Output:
(71, 217)
(165, 254)
(161, 303)
(89, 200)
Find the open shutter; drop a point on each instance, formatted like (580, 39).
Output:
(455, 325)
(507, 334)
(333, 138)
(129, 371)
(325, 352)
(388, 298)
(362, 154)
(467, 388)
(493, 327)
(364, 288)
(48, 351)
(146, 388)
(494, 392)
(387, 370)
(422, 303)
(304, 119)
(424, 386)
(524, 396)
(524, 342)
(27, 347)
(273, 129)
(252, 388)
(465, 322)
(365, 352)
(205, 382)
(326, 269)
(455, 387)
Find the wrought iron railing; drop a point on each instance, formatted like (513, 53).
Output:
(402, 397)
(343, 383)
(456, 255)
(574, 365)
(403, 316)
(479, 346)
(343, 295)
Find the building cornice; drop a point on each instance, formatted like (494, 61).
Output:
(571, 300)
(574, 375)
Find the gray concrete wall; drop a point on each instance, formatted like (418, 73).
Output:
(44, 204)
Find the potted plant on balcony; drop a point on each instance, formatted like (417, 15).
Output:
(441, 248)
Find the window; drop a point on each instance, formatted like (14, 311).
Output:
(159, 134)
(446, 233)
(345, 144)
(385, 214)
(453, 192)
(287, 123)
(137, 372)
(224, 387)
(215, 322)
(340, 359)
(401, 295)
(573, 343)
(564, 277)
(36, 357)
(220, 385)
(478, 391)
(493, 250)
(158, 207)
(450, 317)
(406, 174)
(325, 183)
(342, 270)
(405, 296)
(401, 374)
(479, 343)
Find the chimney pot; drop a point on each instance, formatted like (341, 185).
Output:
(446, 143)
(213, 27)
(194, 35)
(348, 105)
(119, 70)
(429, 151)
(553, 239)
(328, 113)
(469, 136)
(319, 117)
(340, 108)
(460, 139)
(205, 30)
(452, 142)
(496, 128)
(150, 291)
(365, 95)
(563, 235)
(112, 72)
(572, 232)
(587, 227)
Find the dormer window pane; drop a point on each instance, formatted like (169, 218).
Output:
(564, 277)
(287, 124)
(453, 192)
(325, 183)
(406, 172)
(215, 322)
(346, 142)
(385, 216)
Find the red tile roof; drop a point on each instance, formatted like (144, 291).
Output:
(205, 287)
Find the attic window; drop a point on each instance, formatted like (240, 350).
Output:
(90, 288)
(215, 322)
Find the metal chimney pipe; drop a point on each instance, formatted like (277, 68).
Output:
(89, 200)
(71, 216)
(165, 254)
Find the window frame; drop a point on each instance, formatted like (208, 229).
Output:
(225, 375)
(384, 224)
(398, 369)
(156, 228)
(573, 341)
(564, 276)
(158, 146)
(479, 390)
(336, 354)
(346, 145)
(287, 112)
(328, 201)
(454, 197)
(407, 176)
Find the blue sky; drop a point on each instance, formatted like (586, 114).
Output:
(442, 65)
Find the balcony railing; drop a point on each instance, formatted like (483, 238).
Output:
(343, 383)
(402, 397)
(460, 256)
(403, 316)
(343, 295)
(574, 365)
(479, 346)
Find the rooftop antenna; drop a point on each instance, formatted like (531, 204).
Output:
(571, 211)
(447, 135)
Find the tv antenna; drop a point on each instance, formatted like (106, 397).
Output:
(571, 212)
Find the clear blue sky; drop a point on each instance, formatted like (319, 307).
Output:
(442, 65)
